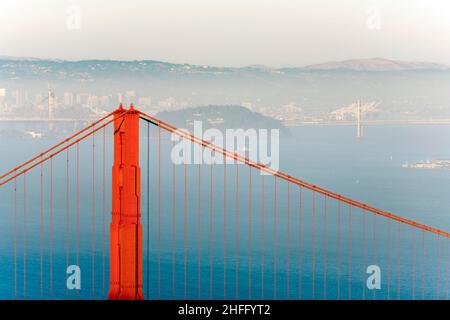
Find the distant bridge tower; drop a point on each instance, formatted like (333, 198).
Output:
(51, 104)
(359, 133)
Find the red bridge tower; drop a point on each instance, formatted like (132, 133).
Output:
(126, 228)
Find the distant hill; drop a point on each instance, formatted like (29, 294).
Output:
(222, 117)
(376, 64)
(29, 68)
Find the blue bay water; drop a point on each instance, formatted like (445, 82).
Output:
(265, 256)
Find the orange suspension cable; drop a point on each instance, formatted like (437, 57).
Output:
(54, 147)
(187, 136)
(56, 152)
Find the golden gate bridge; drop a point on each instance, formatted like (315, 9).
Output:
(238, 230)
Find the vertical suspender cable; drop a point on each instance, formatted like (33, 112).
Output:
(159, 212)
(93, 216)
(262, 236)
(438, 268)
(325, 248)
(389, 259)
(104, 214)
(224, 227)
(77, 209)
(67, 212)
(398, 261)
(173, 226)
(51, 227)
(349, 256)
(41, 219)
(288, 264)
(24, 235)
(300, 235)
(446, 268)
(313, 260)
(185, 232)
(148, 212)
(236, 232)
(374, 221)
(15, 237)
(364, 258)
(413, 274)
(199, 223)
(250, 233)
(423, 265)
(210, 230)
(339, 251)
(275, 240)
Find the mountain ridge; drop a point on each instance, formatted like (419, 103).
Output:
(376, 64)
(358, 65)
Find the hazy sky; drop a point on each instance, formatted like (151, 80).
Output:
(227, 32)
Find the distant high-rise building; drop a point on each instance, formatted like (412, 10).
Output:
(169, 102)
(51, 104)
(68, 99)
(20, 97)
(130, 96)
(93, 101)
(359, 133)
(104, 101)
(83, 99)
(2, 96)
